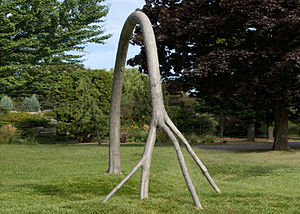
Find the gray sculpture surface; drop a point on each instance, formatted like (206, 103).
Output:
(160, 117)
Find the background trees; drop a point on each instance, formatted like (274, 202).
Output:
(83, 103)
(136, 103)
(40, 33)
(244, 50)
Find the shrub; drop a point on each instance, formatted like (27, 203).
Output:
(192, 138)
(203, 124)
(133, 133)
(49, 114)
(31, 104)
(208, 139)
(20, 116)
(82, 105)
(6, 103)
(294, 129)
(162, 137)
(137, 135)
(34, 122)
(7, 134)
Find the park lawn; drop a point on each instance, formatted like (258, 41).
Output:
(72, 179)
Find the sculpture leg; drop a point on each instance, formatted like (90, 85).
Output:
(133, 171)
(193, 154)
(183, 166)
(146, 165)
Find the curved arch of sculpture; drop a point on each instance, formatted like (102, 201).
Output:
(159, 118)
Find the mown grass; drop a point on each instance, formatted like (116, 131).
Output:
(72, 179)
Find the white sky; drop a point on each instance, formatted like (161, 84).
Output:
(103, 56)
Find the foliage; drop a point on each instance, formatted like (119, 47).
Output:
(162, 137)
(294, 129)
(31, 104)
(40, 34)
(133, 133)
(7, 134)
(83, 103)
(6, 103)
(208, 139)
(26, 124)
(243, 51)
(33, 122)
(72, 179)
(184, 111)
(192, 138)
(136, 103)
(20, 116)
(49, 114)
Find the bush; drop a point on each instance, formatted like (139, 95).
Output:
(192, 138)
(31, 104)
(49, 114)
(20, 116)
(205, 124)
(208, 139)
(7, 134)
(6, 103)
(82, 105)
(162, 137)
(134, 133)
(294, 129)
(24, 122)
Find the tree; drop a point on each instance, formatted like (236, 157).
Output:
(6, 104)
(247, 50)
(135, 104)
(31, 104)
(41, 33)
(82, 105)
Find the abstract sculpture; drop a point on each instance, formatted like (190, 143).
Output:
(160, 117)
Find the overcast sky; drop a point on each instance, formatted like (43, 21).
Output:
(103, 56)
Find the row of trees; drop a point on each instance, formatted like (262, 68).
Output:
(240, 58)
(36, 38)
(233, 54)
(41, 44)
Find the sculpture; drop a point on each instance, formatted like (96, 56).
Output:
(160, 117)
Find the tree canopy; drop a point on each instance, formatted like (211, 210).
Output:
(246, 50)
(39, 33)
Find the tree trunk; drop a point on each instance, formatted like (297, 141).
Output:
(221, 124)
(270, 132)
(281, 126)
(98, 137)
(251, 131)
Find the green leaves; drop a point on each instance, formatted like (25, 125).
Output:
(39, 33)
(83, 103)
(136, 105)
(6, 103)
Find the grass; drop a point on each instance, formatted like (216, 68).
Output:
(72, 179)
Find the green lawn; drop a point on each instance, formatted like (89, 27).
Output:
(72, 179)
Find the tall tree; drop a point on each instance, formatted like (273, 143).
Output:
(244, 49)
(39, 33)
(135, 104)
(82, 104)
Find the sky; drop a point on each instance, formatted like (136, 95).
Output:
(103, 56)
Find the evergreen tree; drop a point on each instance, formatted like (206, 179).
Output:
(136, 104)
(6, 103)
(82, 105)
(31, 104)
(39, 33)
